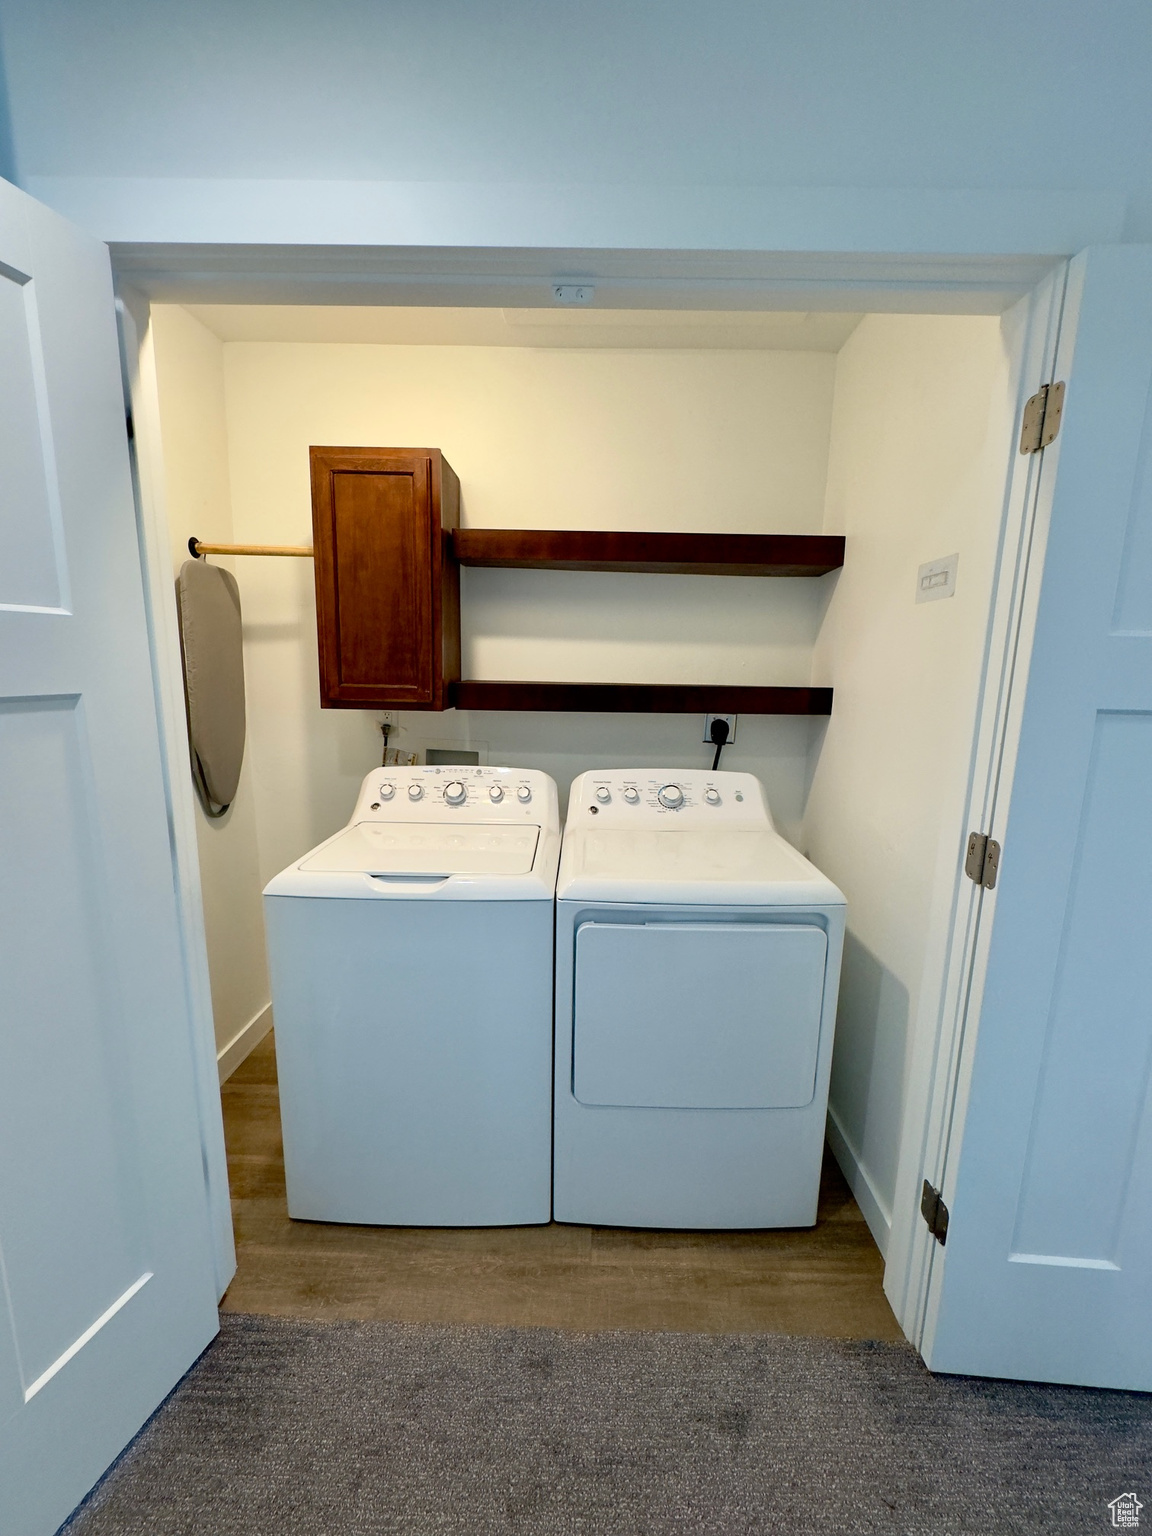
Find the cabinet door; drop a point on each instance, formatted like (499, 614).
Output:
(379, 529)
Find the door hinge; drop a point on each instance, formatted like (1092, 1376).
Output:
(935, 1213)
(1042, 418)
(983, 859)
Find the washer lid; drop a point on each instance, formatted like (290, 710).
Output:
(724, 865)
(428, 848)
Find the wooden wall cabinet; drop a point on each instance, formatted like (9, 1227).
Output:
(387, 585)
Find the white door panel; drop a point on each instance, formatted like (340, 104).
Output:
(105, 1254)
(30, 525)
(59, 1072)
(1047, 1268)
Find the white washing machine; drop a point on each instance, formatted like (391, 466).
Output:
(411, 960)
(697, 969)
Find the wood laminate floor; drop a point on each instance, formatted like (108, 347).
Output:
(824, 1280)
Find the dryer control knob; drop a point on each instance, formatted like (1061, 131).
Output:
(671, 797)
(603, 794)
(455, 793)
(496, 794)
(415, 791)
(631, 795)
(712, 796)
(524, 794)
(387, 791)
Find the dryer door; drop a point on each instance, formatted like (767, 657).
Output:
(698, 1015)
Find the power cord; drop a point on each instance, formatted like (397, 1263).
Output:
(719, 734)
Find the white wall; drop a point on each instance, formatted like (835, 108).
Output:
(540, 438)
(917, 468)
(716, 105)
(190, 384)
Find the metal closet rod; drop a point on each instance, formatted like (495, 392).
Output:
(196, 549)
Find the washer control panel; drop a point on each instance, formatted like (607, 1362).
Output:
(449, 792)
(673, 796)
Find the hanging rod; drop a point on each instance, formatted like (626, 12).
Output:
(196, 549)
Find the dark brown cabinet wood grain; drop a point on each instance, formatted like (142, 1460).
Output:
(387, 585)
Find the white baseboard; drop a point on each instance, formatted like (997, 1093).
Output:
(876, 1213)
(243, 1043)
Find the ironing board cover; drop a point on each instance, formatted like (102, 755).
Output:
(208, 603)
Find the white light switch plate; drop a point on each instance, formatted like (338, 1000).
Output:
(937, 579)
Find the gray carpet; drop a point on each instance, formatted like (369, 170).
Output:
(353, 1429)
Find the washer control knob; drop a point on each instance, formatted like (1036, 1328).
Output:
(603, 794)
(524, 794)
(415, 791)
(387, 791)
(496, 794)
(631, 795)
(712, 796)
(455, 793)
(671, 797)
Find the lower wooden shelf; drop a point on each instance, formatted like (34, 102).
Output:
(642, 698)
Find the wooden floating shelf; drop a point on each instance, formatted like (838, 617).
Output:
(642, 698)
(676, 554)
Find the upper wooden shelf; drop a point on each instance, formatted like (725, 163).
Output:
(677, 554)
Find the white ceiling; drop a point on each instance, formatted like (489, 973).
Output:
(780, 330)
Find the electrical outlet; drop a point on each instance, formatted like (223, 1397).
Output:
(387, 717)
(731, 719)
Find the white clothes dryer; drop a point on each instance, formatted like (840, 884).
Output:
(697, 970)
(411, 961)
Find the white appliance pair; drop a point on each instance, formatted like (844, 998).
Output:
(477, 1028)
